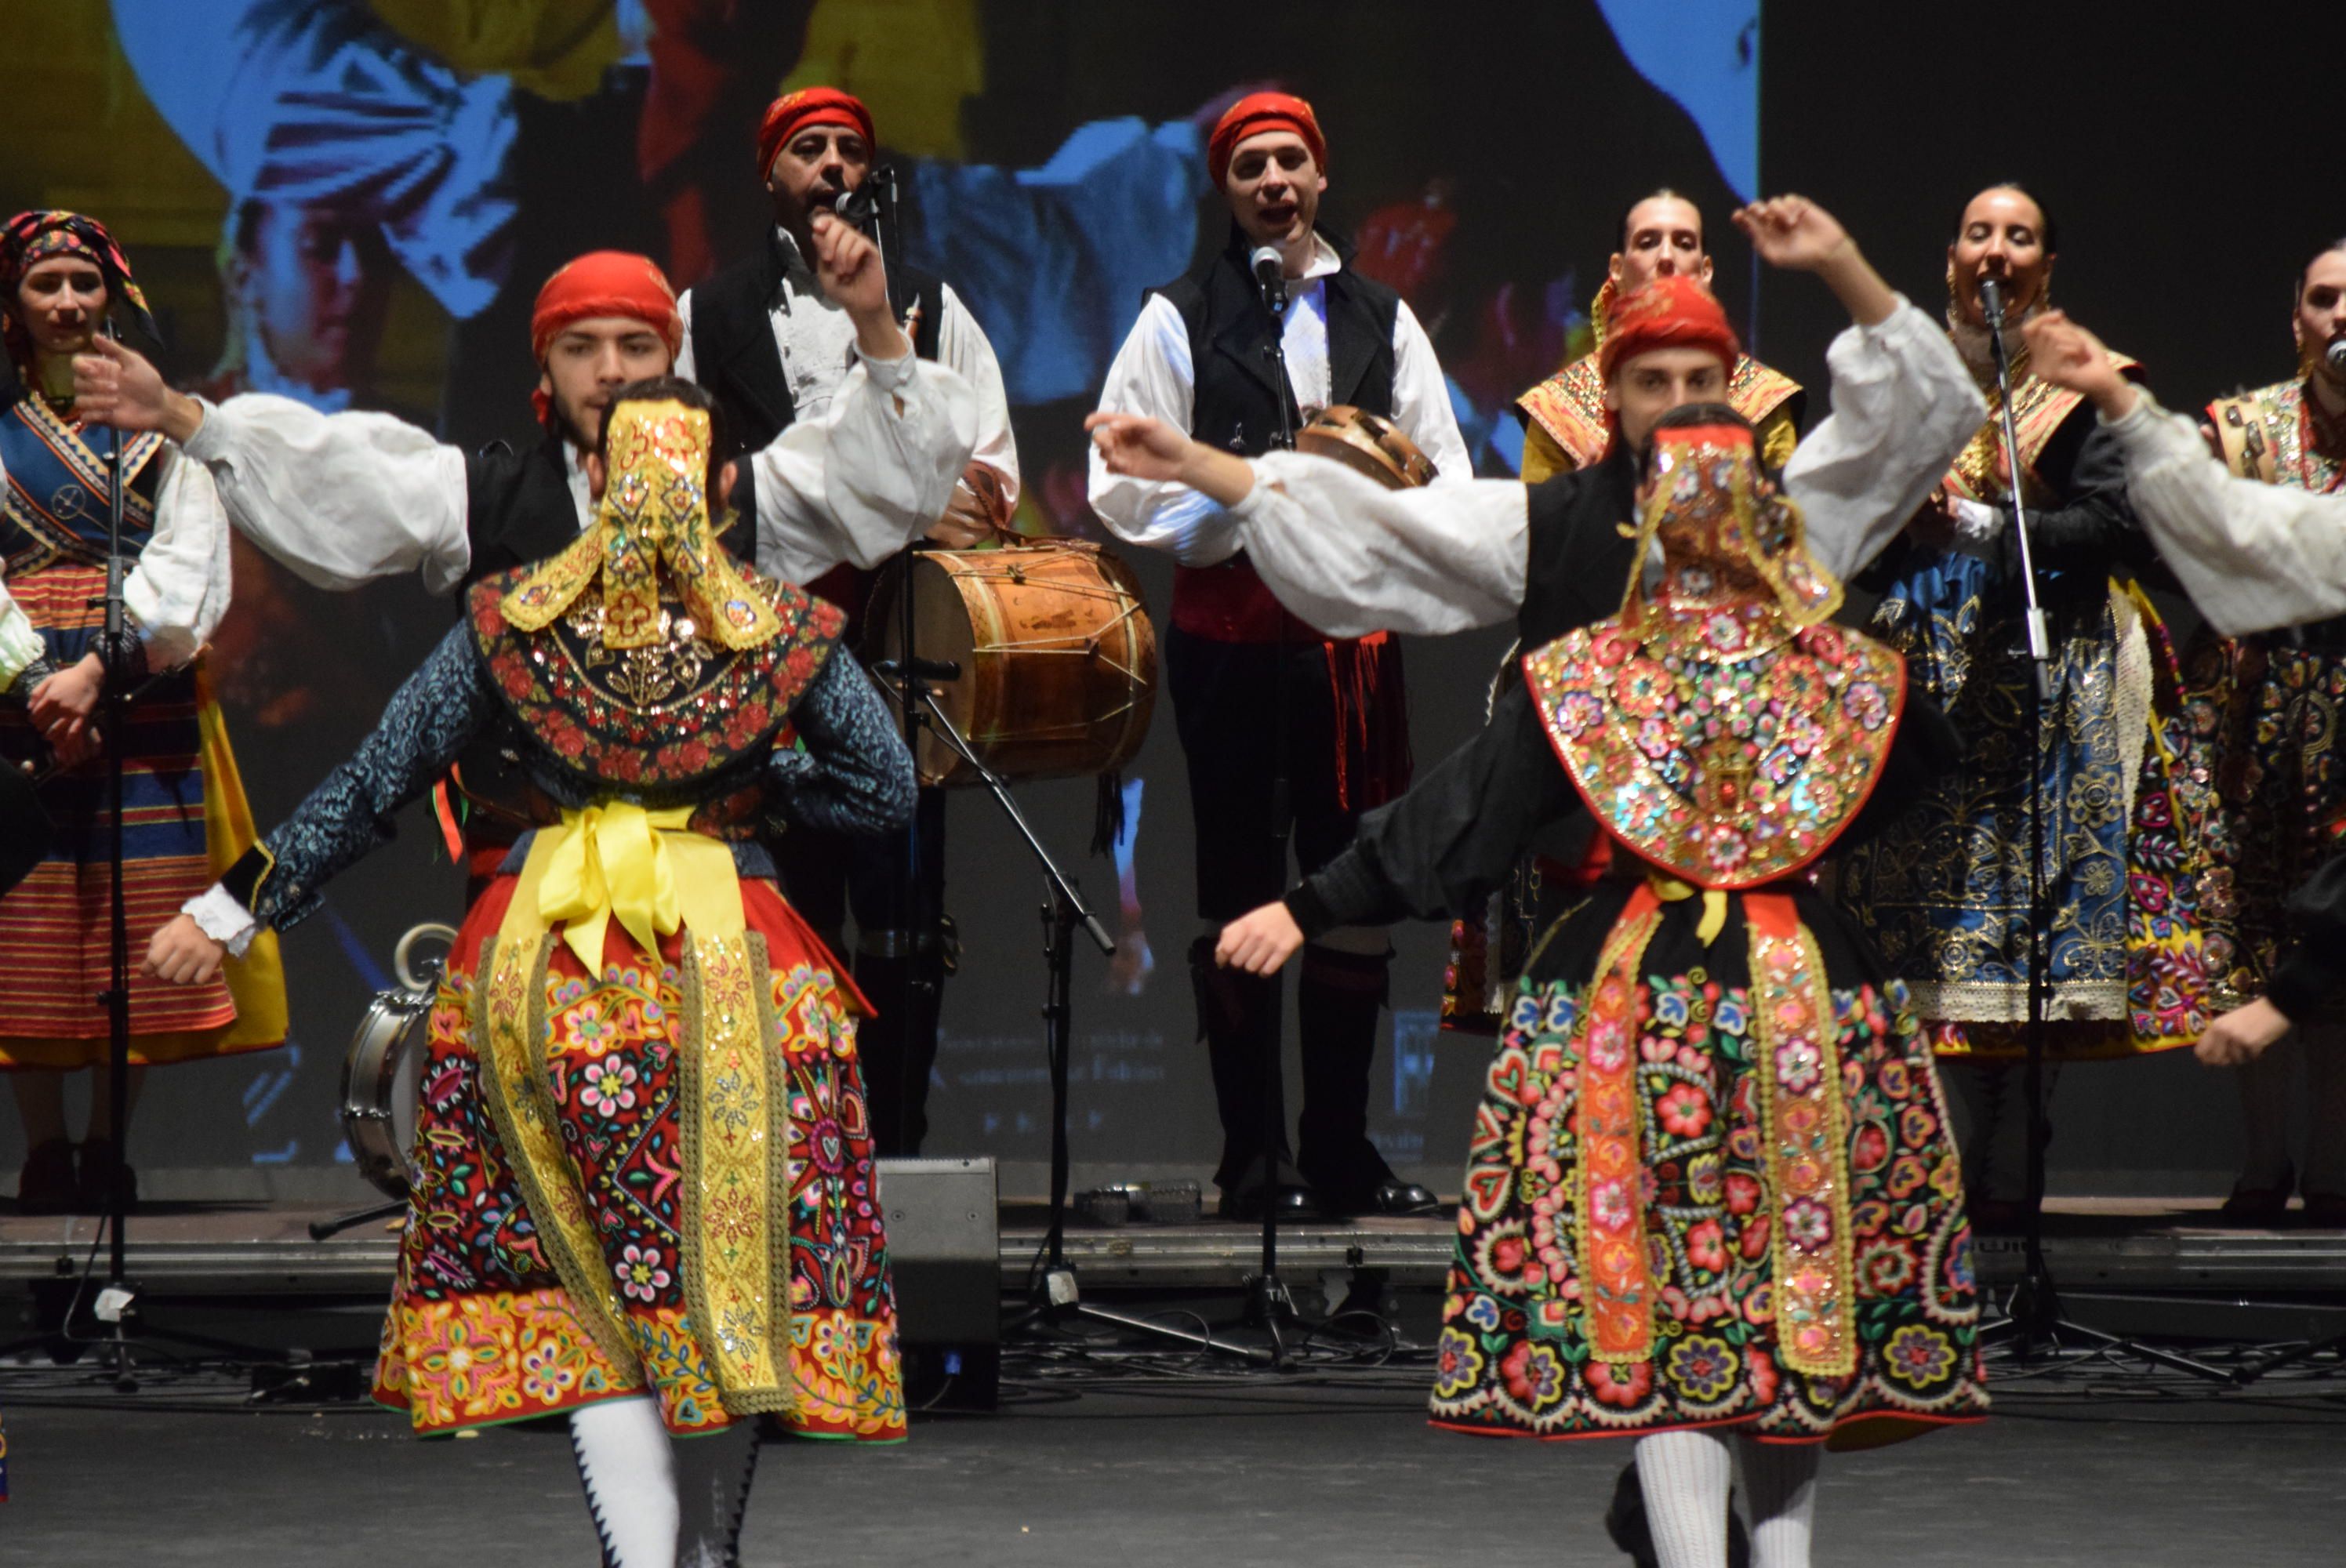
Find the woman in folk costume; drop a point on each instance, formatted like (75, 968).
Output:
(1945, 895)
(646, 1198)
(1711, 1187)
(60, 275)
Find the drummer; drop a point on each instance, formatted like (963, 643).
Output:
(1287, 732)
(773, 347)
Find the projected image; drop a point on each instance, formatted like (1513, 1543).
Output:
(352, 204)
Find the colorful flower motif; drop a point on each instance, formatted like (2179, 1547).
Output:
(1684, 1111)
(1535, 1376)
(642, 1277)
(1706, 1246)
(607, 1086)
(1705, 1368)
(1483, 1312)
(1799, 1066)
(1457, 1365)
(547, 1371)
(1866, 703)
(1609, 1204)
(1807, 1222)
(1919, 1357)
(1623, 1388)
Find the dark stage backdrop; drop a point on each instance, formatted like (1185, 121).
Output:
(355, 200)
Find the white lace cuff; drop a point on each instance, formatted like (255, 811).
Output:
(219, 917)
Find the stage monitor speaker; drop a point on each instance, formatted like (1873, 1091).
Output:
(944, 1249)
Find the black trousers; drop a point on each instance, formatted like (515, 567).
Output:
(1250, 713)
(828, 877)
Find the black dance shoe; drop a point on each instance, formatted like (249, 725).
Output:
(1389, 1197)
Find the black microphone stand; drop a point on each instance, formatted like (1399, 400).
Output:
(1057, 1295)
(2035, 1308)
(1270, 1307)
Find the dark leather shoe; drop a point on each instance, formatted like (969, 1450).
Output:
(102, 1171)
(45, 1186)
(1390, 1197)
(1296, 1204)
(2258, 1206)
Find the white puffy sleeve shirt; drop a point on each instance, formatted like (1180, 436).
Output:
(1349, 557)
(343, 499)
(1152, 374)
(177, 591)
(2253, 556)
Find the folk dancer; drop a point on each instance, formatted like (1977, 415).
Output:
(774, 348)
(1258, 694)
(2258, 556)
(1945, 895)
(646, 1199)
(1348, 556)
(1712, 1188)
(185, 818)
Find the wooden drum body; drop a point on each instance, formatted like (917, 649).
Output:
(1057, 657)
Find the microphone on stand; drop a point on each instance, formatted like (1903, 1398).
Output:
(1990, 298)
(1270, 277)
(860, 205)
(2335, 357)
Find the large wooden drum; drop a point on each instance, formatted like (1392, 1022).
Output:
(1057, 657)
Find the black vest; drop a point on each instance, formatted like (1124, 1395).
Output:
(1235, 402)
(518, 508)
(1577, 563)
(735, 356)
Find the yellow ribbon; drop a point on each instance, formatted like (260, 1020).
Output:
(644, 868)
(1669, 889)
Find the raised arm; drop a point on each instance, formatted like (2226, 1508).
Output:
(341, 499)
(855, 775)
(1903, 404)
(878, 469)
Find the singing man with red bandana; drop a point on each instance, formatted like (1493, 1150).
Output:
(1258, 694)
(764, 338)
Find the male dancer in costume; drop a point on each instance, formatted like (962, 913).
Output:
(1566, 422)
(648, 1200)
(773, 348)
(2256, 556)
(343, 499)
(1946, 895)
(60, 276)
(1285, 729)
(1712, 1185)
(2273, 702)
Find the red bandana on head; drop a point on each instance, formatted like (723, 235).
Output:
(1673, 313)
(602, 283)
(1257, 113)
(794, 112)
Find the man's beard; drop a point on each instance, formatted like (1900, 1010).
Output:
(569, 428)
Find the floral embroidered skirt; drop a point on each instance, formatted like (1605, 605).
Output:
(483, 1329)
(1680, 1193)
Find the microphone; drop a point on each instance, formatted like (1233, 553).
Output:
(1270, 275)
(1990, 298)
(2335, 357)
(860, 205)
(935, 669)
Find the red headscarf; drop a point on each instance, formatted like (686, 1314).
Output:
(1257, 113)
(1673, 313)
(794, 112)
(602, 283)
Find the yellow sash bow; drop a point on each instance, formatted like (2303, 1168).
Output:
(1669, 889)
(643, 867)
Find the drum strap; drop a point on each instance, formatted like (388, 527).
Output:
(646, 872)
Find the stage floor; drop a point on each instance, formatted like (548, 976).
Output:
(2105, 1244)
(1340, 1471)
